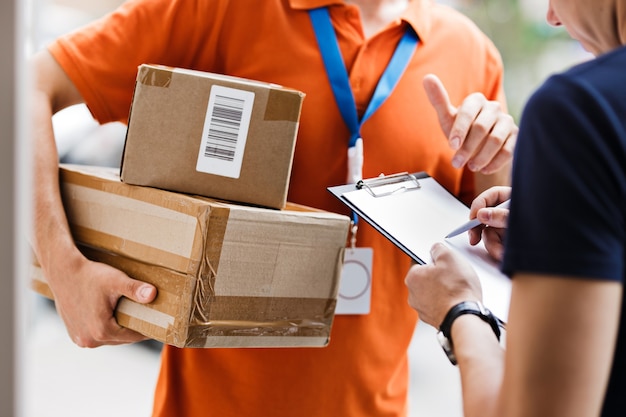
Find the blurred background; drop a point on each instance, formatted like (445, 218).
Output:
(64, 380)
(531, 49)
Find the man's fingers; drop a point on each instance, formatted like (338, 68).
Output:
(502, 157)
(123, 336)
(482, 135)
(139, 291)
(438, 97)
(474, 121)
(491, 140)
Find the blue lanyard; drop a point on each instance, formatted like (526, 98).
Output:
(338, 75)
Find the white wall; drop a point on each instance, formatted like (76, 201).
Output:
(14, 204)
(8, 369)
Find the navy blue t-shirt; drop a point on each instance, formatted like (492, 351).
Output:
(568, 202)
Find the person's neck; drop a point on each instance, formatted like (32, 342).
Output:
(376, 14)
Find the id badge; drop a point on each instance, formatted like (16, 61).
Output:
(355, 286)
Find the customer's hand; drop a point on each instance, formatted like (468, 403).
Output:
(480, 132)
(494, 220)
(437, 287)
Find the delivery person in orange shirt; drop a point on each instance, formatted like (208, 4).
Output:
(337, 52)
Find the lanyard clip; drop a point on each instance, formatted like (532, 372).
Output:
(355, 162)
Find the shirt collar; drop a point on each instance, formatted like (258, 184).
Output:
(417, 15)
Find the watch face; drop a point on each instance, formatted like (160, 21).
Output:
(446, 346)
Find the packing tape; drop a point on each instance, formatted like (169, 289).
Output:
(154, 77)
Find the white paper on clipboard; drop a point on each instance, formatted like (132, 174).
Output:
(414, 211)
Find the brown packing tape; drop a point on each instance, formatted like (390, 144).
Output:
(235, 316)
(113, 209)
(263, 342)
(108, 180)
(213, 229)
(151, 322)
(154, 77)
(282, 106)
(116, 244)
(242, 309)
(283, 103)
(144, 327)
(247, 333)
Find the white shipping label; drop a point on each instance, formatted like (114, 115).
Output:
(355, 287)
(225, 131)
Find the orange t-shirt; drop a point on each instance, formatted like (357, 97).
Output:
(364, 370)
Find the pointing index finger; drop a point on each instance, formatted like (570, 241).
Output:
(439, 99)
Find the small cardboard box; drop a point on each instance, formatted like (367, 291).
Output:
(227, 275)
(212, 135)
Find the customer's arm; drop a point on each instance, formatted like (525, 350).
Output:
(85, 292)
(560, 337)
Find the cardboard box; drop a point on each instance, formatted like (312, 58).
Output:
(211, 135)
(227, 275)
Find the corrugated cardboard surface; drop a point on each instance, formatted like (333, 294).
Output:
(227, 274)
(165, 133)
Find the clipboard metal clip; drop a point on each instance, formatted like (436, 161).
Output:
(389, 184)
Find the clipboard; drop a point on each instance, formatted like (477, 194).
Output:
(414, 211)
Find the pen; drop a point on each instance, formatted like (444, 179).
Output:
(474, 222)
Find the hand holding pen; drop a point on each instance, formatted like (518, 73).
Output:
(489, 210)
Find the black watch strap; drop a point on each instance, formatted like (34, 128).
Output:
(466, 307)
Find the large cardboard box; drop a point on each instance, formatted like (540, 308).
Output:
(211, 135)
(227, 275)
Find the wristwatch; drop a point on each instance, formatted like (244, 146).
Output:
(466, 307)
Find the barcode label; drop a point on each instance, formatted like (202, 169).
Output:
(225, 131)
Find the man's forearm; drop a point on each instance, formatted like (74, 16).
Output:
(51, 232)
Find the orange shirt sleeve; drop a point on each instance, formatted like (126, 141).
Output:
(102, 58)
